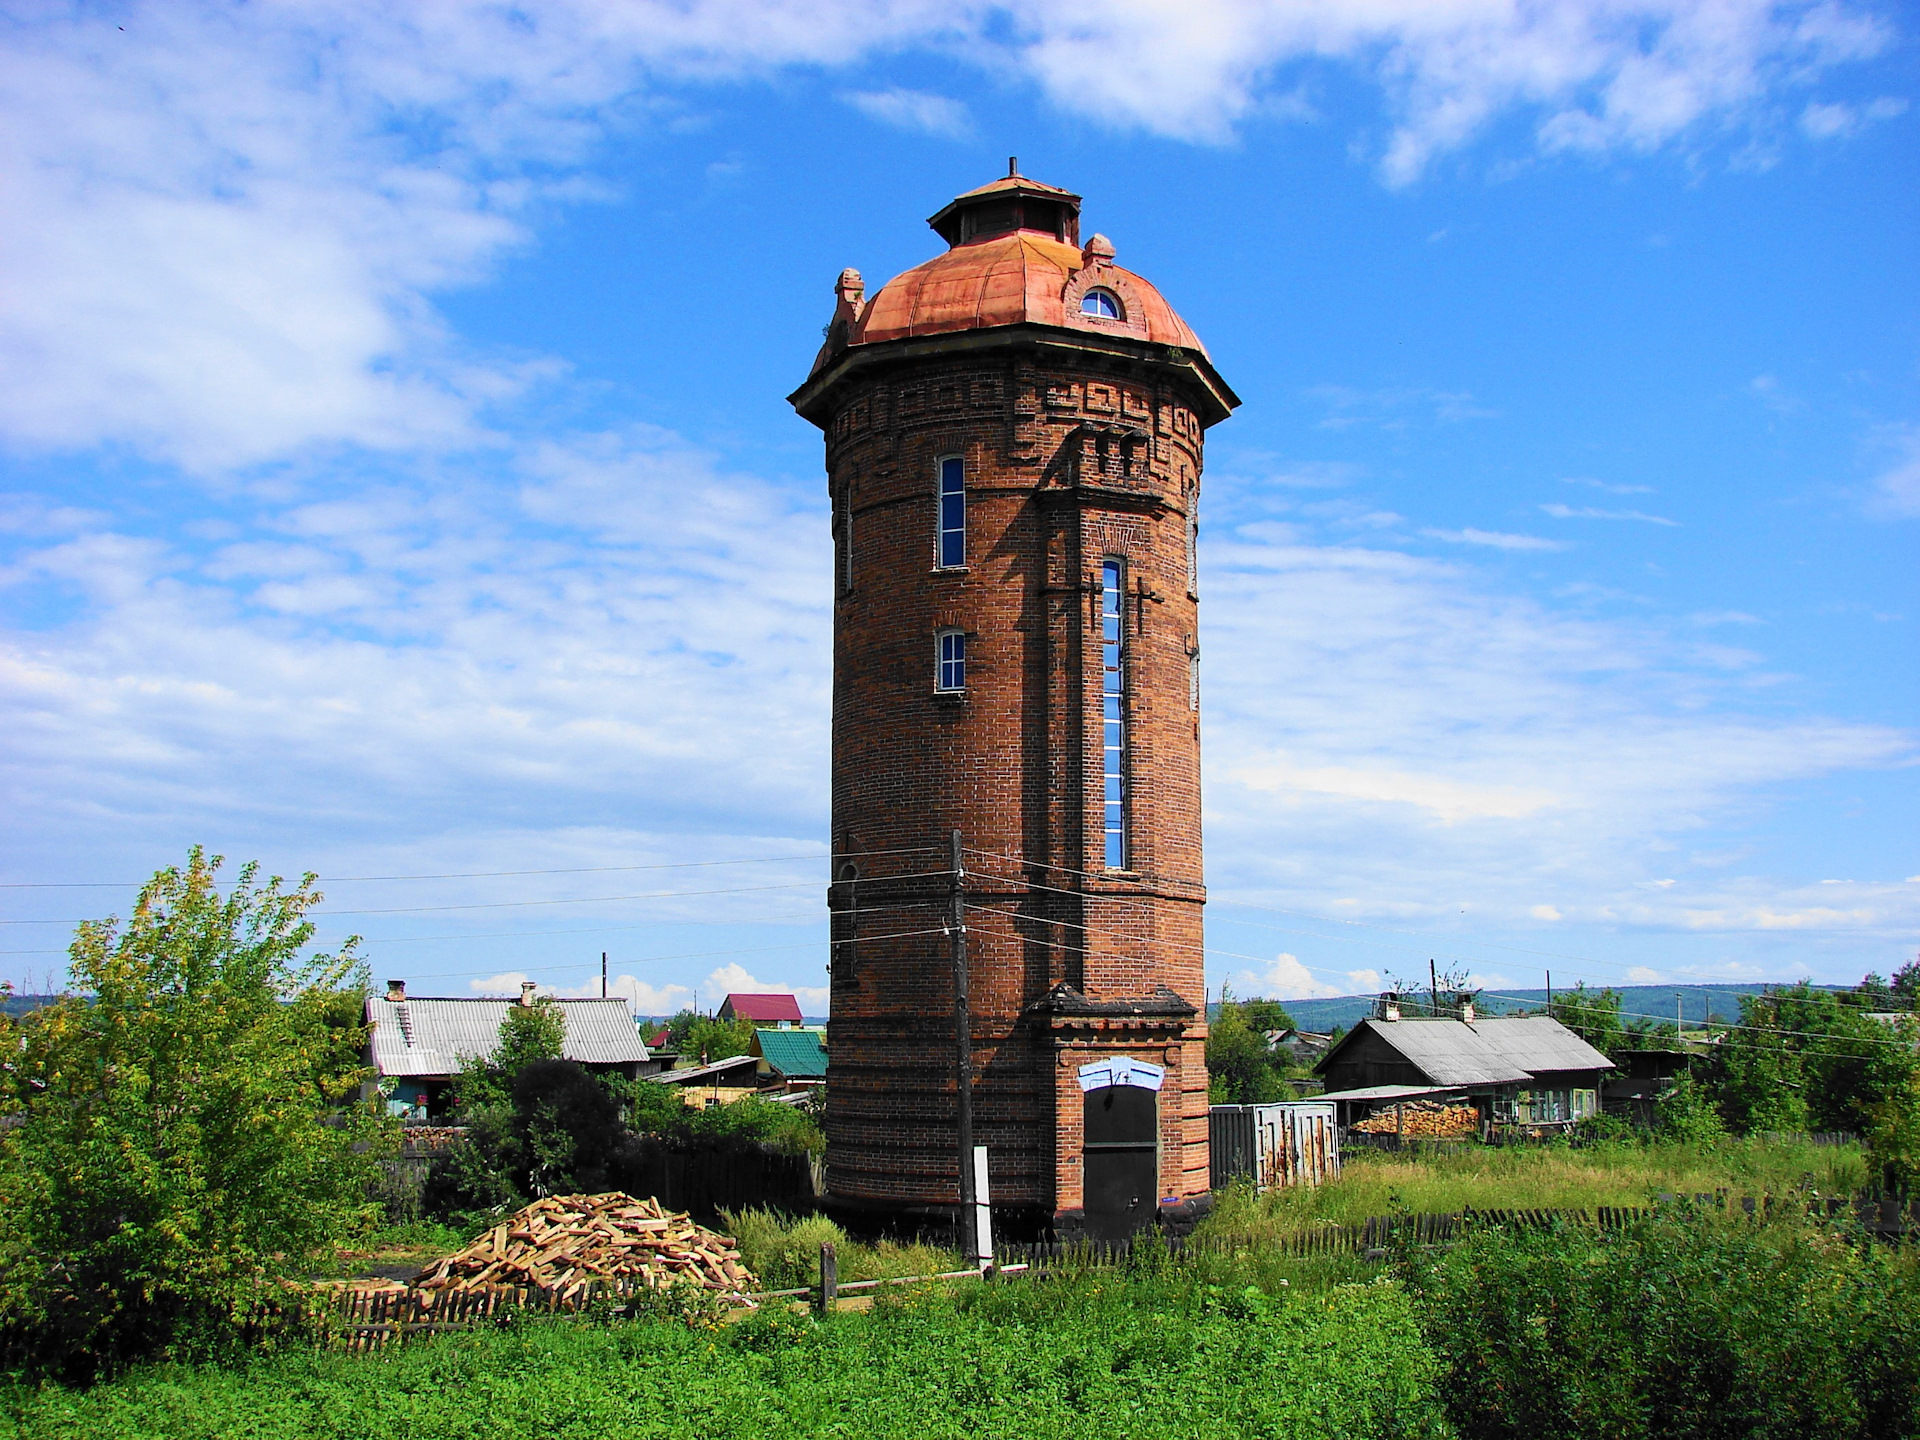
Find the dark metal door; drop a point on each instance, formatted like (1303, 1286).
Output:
(1120, 1169)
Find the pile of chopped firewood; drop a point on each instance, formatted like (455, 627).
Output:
(1423, 1120)
(565, 1243)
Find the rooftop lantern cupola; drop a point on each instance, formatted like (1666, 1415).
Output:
(1014, 203)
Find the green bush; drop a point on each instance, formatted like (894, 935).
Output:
(1692, 1324)
(188, 1131)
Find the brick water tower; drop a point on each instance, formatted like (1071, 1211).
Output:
(1014, 443)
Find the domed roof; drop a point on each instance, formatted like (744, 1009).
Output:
(1023, 277)
(1015, 258)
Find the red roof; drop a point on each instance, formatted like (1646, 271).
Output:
(771, 1008)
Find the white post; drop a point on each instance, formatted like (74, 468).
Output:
(982, 1235)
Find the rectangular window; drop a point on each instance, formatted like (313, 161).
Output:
(1193, 681)
(952, 539)
(1193, 552)
(950, 671)
(1113, 710)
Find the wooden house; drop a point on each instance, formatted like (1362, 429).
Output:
(1526, 1071)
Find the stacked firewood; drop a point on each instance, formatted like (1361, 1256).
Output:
(1423, 1120)
(565, 1243)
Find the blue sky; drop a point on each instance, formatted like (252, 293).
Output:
(397, 480)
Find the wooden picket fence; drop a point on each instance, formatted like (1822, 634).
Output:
(372, 1320)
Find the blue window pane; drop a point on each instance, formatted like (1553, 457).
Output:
(952, 516)
(1116, 851)
(1113, 789)
(1102, 303)
(952, 673)
(1113, 707)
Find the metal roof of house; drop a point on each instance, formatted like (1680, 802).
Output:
(762, 1007)
(1391, 1092)
(794, 1054)
(701, 1072)
(432, 1035)
(1501, 1050)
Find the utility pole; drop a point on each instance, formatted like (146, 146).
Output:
(1549, 992)
(603, 974)
(963, 1046)
(1433, 991)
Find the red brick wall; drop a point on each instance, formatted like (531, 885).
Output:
(1071, 456)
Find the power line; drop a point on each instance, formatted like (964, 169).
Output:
(491, 874)
(1441, 950)
(525, 904)
(1230, 954)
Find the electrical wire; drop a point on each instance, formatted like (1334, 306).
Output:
(1707, 988)
(1205, 950)
(495, 874)
(524, 904)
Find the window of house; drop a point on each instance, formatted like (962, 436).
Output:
(1103, 303)
(950, 665)
(843, 543)
(1193, 681)
(952, 540)
(1193, 551)
(1113, 710)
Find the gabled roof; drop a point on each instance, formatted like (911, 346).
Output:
(793, 1054)
(1505, 1050)
(763, 1009)
(432, 1035)
(701, 1072)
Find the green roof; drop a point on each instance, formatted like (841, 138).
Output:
(795, 1054)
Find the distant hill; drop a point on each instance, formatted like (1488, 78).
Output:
(18, 1005)
(1652, 1003)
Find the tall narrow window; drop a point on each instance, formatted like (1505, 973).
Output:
(953, 512)
(1193, 681)
(950, 665)
(1113, 710)
(1193, 549)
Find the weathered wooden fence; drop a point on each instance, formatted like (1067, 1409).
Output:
(372, 1320)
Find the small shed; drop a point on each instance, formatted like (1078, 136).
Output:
(417, 1044)
(1286, 1143)
(771, 1010)
(717, 1083)
(1528, 1071)
(791, 1057)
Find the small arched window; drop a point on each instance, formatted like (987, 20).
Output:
(950, 661)
(1102, 303)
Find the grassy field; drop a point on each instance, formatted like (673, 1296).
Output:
(1549, 1176)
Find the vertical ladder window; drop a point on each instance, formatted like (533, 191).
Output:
(1113, 710)
(952, 540)
(950, 665)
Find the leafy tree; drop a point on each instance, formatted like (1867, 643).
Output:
(1593, 1015)
(1805, 1058)
(188, 1129)
(1906, 985)
(1241, 1069)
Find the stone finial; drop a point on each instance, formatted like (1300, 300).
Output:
(1098, 251)
(851, 288)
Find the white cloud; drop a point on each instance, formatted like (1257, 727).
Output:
(914, 110)
(1433, 739)
(1835, 121)
(1287, 979)
(1545, 912)
(736, 979)
(1896, 489)
(1495, 539)
(242, 213)
(1447, 800)
(1642, 975)
(1610, 488)
(1588, 512)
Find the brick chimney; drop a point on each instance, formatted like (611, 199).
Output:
(396, 991)
(527, 987)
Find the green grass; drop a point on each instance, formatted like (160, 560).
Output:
(784, 1252)
(1107, 1357)
(1375, 1182)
